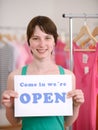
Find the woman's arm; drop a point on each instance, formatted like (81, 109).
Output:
(78, 99)
(8, 100)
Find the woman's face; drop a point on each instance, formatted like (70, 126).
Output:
(41, 43)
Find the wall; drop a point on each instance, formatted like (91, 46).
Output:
(17, 13)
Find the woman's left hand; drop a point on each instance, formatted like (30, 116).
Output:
(77, 95)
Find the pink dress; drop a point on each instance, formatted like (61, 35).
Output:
(61, 56)
(22, 55)
(29, 54)
(86, 69)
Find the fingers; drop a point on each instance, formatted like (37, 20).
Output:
(10, 93)
(75, 92)
(77, 95)
(8, 98)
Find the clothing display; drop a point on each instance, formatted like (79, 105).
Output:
(6, 65)
(97, 113)
(13, 55)
(85, 69)
(61, 56)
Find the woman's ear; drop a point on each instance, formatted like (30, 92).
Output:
(54, 43)
(31, 51)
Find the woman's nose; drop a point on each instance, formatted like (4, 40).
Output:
(42, 41)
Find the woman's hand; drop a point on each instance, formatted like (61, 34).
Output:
(77, 95)
(8, 98)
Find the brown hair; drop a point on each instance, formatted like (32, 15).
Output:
(45, 24)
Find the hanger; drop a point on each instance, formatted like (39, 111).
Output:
(94, 33)
(2, 39)
(8, 36)
(85, 31)
(0, 36)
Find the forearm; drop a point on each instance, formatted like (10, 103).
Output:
(78, 100)
(71, 119)
(10, 116)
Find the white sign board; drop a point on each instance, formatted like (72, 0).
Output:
(43, 95)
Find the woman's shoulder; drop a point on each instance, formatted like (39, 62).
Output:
(15, 72)
(10, 80)
(67, 71)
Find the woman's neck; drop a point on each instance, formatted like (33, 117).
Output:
(41, 65)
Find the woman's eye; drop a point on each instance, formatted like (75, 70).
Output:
(34, 38)
(48, 37)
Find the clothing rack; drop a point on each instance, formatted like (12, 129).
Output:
(12, 28)
(71, 16)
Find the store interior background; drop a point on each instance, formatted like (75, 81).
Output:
(15, 15)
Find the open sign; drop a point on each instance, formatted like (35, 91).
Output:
(43, 95)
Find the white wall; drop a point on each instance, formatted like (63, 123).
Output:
(17, 13)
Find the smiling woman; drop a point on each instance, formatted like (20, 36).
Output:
(42, 37)
(41, 43)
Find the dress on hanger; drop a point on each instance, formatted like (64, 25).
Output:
(61, 56)
(85, 66)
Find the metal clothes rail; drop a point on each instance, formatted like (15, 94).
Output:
(11, 28)
(71, 16)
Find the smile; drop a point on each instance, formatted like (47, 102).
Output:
(41, 50)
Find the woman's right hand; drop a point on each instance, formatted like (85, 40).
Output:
(8, 98)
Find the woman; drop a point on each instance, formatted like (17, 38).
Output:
(42, 37)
